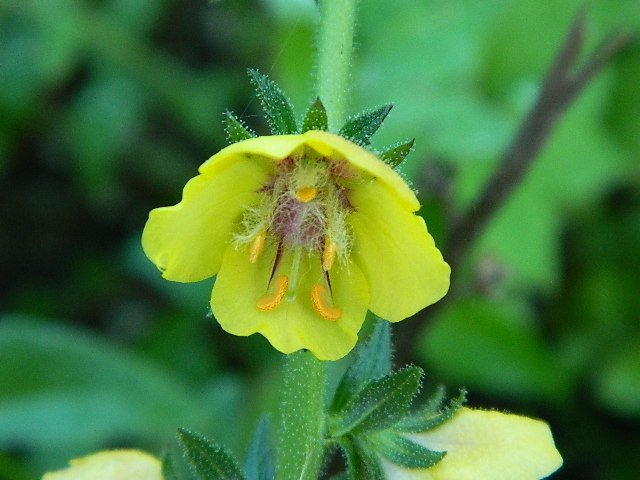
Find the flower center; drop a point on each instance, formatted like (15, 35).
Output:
(302, 212)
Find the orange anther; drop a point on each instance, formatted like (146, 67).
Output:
(306, 194)
(272, 301)
(257, 246)
(320, 306)
(328, 255)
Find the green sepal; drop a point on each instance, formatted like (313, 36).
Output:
(396, 155)
(431, 416)
(260, 463)
(372, 360)
(235, 129)
(403, 452)
(209, 461)
(362, 463)
(168, 467)
(360, 128)
(380, 405)
(277, 109)
(316, 117)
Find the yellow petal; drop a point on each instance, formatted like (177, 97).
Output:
(187, 241)
(291, 325)
(328, 144)
(111, 465)
(406, 272)
(484, 445)
(275, 147)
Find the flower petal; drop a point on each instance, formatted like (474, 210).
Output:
(291, 325)
(328, 144)
(187, 241)
(406, 272)
(485, 445)
(111, 465)
(274, 147)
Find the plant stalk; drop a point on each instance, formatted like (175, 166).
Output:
(335, 47)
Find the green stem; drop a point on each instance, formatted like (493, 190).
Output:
(301, 421)
(301, 442)
(335, 46)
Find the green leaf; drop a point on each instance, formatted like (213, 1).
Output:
(403, 452)
(209, 461)
(381, 404)
(168, 467)
(499, 351)
(360, 128)
(372, 361)
(396, 155)
(235, 129)
(316, 117)
(277, 109)
(260, 464)
(64, 376)
(427, 419)
(362, 464)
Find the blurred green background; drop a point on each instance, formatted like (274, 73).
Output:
(107, 107)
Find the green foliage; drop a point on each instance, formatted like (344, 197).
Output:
(432, 416)
(277, 109)
(316, 117)
(360, 128)
(371, 360)
(234, 128)
(489, 347)
(396, 155)
(379, 405)
(106, 110)
(362, 463)
(403, 452)
(260, 463)
(168, 467)
(209, 461)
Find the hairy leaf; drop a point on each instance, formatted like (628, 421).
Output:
(209, 461)
(277, 109)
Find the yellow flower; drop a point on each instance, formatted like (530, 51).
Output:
(111, 465)
(305, 233)
(485, 445)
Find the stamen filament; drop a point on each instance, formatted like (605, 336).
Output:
(293, 274)
(272, 301)
(328, 255)
(326, 311)
(257, 246)
(306, 194)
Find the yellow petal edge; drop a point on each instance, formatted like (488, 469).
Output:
(111, 465)
(485, 445)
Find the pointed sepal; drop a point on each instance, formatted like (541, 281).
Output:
(372, 360)
(208, 460)
(360, 128)
(260, 463)
(362, 463)
(277, 108)
(403, 452)
(316, 117)
(235, 128)
(168, 467)
(380, 405)
(396, 155)
(431, 416)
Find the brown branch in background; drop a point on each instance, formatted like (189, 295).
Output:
(561, 86)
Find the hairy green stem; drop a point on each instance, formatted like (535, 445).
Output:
(335, 46)
(301, 426)
(301, 420)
